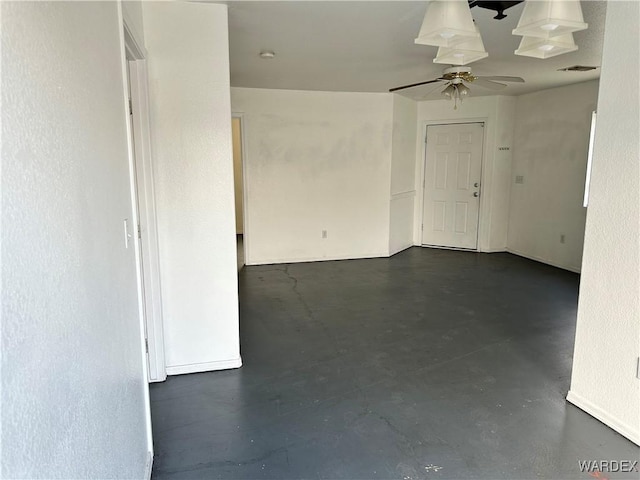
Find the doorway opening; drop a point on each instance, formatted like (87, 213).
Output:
(451, 186)
(237, 134)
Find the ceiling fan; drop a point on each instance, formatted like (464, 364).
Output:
(455, 77)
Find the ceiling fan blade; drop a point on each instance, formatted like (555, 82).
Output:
(430, 91)
(502, 78)
(483, 82)
(415, 85)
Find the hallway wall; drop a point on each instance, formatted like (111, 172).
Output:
(551, 145)
(74, 390)
(315, 161)
(188, 65)
(238, 180)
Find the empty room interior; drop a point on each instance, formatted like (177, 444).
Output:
(320, 239)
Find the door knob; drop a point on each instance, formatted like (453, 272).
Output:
(476, 194)
(476, 184)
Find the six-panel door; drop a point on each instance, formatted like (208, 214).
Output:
(453, 164)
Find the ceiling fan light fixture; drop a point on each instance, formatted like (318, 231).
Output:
(546, 47)
(456, 92)
(550, 18)
(449, 91)
(471, 50)
(446, 23)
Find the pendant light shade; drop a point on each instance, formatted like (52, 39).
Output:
(463, 90)
(550, 18)
(446, 23)
(464, 53)
(546, 47)
(449, 91)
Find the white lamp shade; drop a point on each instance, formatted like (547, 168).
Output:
(446, 23)
(546, 47)
(463, 90)
(550, 18)
(464, 53)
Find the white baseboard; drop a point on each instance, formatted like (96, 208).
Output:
(204, 367)
(632, 433)
(398, 250)
(543, 260)
(316, 259)
(149, 466)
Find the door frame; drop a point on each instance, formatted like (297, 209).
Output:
(149, 276)
(245, 197)
(483, 220)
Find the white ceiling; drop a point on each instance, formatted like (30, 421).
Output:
(367, 46)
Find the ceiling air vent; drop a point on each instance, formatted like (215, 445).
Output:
(577, 68)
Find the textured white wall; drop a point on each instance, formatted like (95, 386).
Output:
(607, 345)
(73, 385)
(403, 167)
(551, 144)
(315, 161)
(497, 113)
(188, 59)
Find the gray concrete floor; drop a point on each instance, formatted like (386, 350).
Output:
(430, 364)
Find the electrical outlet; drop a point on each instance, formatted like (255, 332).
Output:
(520, 179)
(562, 238)
(324, 234)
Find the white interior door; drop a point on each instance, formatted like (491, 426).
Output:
(147, 236)
(453, 165)
(138, 235)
